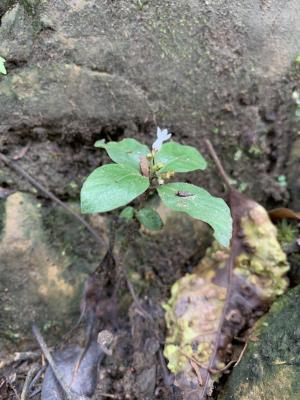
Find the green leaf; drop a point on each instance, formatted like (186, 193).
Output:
(127, 213)
(127, 151)
(150, 219)
(111, 186)
(198, 203)
(179, 158)
(2, 66)
(298, 111)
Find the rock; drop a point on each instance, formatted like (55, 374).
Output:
(43, 267)
(80, 70)
(271, 365)
(294, 174)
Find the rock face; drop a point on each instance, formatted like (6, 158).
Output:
(40, 282)
(271, 365)
(82, 69)
(294, 174)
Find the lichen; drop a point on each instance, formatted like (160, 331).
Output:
(194, 311)
(265, 265)
(192, 316)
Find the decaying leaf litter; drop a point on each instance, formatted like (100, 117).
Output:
(223, 297)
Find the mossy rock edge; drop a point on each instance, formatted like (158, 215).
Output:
(270, 368)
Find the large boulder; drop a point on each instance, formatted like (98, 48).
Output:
(83, 69)
(43, 267)
(271, 365)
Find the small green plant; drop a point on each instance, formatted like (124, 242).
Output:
(138, 171)
(287, 232)
(281, 179)
(2, 66)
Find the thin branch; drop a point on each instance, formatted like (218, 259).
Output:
(218, 163)
(19, 357)
(68, 393)
(242, 354)
(108, 395)
(14, 390)
(28, 380)
(229, 266)
(12, 165)
(37, 377)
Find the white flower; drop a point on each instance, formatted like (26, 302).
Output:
(162, 136)
(296, 97)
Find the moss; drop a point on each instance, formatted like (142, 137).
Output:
(30, 6)
(270, 368)
(287, 232)
(75, 242)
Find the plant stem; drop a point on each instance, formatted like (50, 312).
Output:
(218, 163)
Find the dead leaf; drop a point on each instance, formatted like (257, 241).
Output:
(283, 213)
(21, 153)
(83, 383)
(228, 291)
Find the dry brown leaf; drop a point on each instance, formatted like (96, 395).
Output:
(283, 213)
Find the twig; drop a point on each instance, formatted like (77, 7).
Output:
(227, 366)
(19, 357)
(111, 396)
(136, 300)
(218, 163)
(84, 350)
(49, 194)
(14, 390)
(35, 392)
(68, 393)
(195, 367)
(168, 378)
(229, 266)
(192, 358)
(241, 355)
(37, 377)
(28, 381)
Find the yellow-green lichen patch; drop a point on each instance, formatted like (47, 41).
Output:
(263, 263)
(196, 340)
(192, 315)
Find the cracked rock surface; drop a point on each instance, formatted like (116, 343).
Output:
(84, 69)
